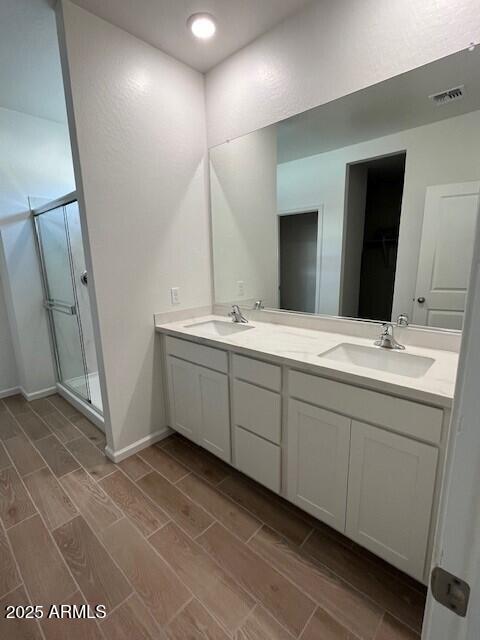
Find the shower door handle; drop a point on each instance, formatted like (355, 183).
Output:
(62, 307)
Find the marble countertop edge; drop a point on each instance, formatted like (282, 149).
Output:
(301, 349)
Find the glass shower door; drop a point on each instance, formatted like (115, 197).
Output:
(80, 282)
(62, 300)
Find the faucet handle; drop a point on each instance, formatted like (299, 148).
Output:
(402, 320)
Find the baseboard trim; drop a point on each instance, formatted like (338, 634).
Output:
(35, 395)
(6, 393)
(143, 443)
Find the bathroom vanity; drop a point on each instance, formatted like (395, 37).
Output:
(353, 434)
(336, 220)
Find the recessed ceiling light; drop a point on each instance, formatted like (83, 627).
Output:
(202, 25)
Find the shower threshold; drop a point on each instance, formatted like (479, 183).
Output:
(73, 389)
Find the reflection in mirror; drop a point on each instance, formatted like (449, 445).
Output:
(365, 207)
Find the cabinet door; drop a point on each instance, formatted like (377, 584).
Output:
(390, 496)
(184, 397)
(214, 430)
(317, 462)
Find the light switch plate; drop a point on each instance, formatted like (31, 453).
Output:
(175, 295)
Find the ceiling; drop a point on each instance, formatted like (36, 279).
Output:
(31, 81)
(30, 73)
(162, 23)
(394, 105)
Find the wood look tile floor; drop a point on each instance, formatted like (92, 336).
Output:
(176, 544)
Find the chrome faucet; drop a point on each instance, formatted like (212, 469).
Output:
(402, 320)
(386, 339)
(236, 315)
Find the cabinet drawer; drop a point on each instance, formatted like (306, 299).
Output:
(257, 410)
(411, 418)
(197, 353)
(260, 373)
(258, 459)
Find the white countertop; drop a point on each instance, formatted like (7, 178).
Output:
(300, 348)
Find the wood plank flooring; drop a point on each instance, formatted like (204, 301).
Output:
(49, 497)
(175, 543)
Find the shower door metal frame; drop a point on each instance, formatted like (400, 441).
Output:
(50, 303)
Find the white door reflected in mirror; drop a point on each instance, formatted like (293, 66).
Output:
(449, 223)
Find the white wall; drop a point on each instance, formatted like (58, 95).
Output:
(330, 49)
(243, 181)
(138, 124)
(35, 160)
(8, 366)
(356, 178)
(440, 153)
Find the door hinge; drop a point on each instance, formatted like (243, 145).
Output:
(450, 591)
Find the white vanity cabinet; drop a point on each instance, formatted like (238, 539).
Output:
(374, 485)
(391, 484)
(317, 469)
(364, 462)
(198, 396)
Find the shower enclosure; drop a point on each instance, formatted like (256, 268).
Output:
(62, 258)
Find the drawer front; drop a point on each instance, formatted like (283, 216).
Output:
(411, 418)
(257, 410)
(256, 372)
(197, 353)
(258, 459)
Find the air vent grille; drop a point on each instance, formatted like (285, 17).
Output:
(444, 97)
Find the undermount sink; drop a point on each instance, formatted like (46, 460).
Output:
(396, 362)
(218, 327)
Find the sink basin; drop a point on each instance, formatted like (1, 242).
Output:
(218, 327)
(397, 362)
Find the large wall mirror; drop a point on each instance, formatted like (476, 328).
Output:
(365, 207)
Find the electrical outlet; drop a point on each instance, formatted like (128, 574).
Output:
(175, 295)
(240, 288)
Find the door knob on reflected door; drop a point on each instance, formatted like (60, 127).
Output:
(421, 300)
